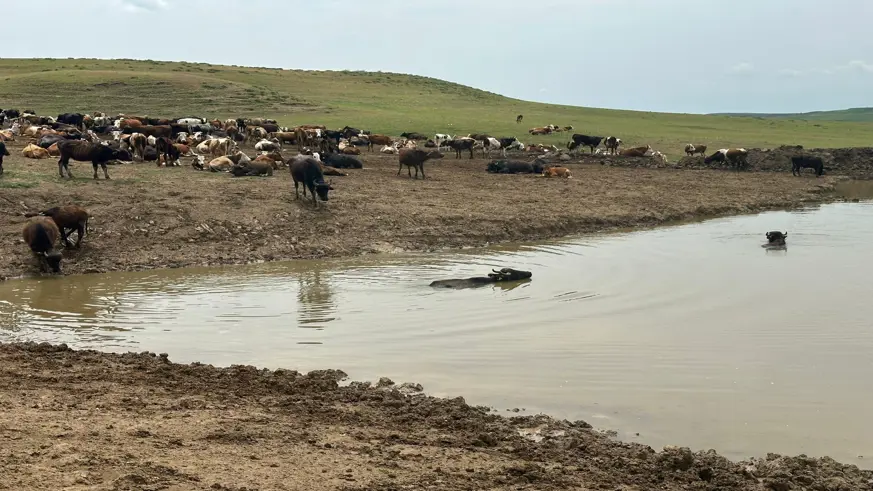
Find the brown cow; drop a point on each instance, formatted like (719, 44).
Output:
(157, 131)
(35, 152)
(351, 151)
(378, 140)
(540, 131)
(130, 123)
(53, 150)
(557, 172)
(635, 152)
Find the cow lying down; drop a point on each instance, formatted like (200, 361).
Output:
(504, 275)
(515, 167)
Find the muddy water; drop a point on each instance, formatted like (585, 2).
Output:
(691, 335)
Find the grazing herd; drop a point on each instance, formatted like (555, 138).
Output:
(214, 145)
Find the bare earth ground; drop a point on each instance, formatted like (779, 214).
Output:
(83, 420)
(146, 217)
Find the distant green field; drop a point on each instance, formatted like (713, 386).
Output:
(381, 102)
(856, 114)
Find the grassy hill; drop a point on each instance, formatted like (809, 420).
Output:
(856, 114)
(382, 102)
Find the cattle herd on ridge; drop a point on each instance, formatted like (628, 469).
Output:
(214, 145)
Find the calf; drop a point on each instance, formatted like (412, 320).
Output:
(307, 170)
(591, 142)
(4, 152)
(138, 143)
(557, 172)
(461, 144)
(692, 149)
(68, 219)
(166, 149)
(413, 157)
(801, 162)
(84, 151)
(612, 143)
(41, 234)
(736, 156)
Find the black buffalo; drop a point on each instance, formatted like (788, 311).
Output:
(412, 135)
(4, 152)
(515, 167)
(97, 154)
(801, 162)
(348, 132)
(591, 142)
(72, 119)
(340, 161)
(307, 170)
(49, 140)
(504, 275)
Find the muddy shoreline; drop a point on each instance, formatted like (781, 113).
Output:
(152, 218)
(93, 420)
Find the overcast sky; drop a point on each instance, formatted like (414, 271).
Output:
(660, 55)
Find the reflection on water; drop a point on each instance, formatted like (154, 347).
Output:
(690, 335)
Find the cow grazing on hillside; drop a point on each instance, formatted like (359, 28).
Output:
(461, 144)
(800, 162)
(413, 157)
(612, 143)
(692, 149)
(735, 156)
(307, 170)
(84, 151)
(591, 142)
(519, 118)
(4, 152)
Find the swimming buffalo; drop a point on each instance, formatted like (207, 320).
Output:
(504, 275)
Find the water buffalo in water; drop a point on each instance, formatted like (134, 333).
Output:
(504, 275)
(775, 240)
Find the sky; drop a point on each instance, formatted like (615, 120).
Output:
(694, 56)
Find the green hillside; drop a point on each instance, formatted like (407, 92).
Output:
(856, 114)
(382, 102)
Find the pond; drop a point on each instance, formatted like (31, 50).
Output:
(690, 335)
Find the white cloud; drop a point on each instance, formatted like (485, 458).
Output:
(790, 72)
(143, 5)
(859, 65)
(742, 67)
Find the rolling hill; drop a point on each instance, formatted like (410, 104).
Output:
(856, 114)
(382, 102)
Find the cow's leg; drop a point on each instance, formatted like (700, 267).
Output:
(105, 170)
(64, 236)
(95, 164)
(471, 153)
(61, 167)
(421, 165)
(80, 228)
(296, 192)
(400, 168)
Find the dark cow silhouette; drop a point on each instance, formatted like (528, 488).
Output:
(515, 167)
(801, 162)
(461, 144)
(519, 118)
(413, 157)
(41, 234)
(591, 142)
(307, 170)
(84, 151)
(505, 274)
(4, 152)
(340, 161)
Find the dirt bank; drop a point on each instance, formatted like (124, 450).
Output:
(146, 217)
(86, 420)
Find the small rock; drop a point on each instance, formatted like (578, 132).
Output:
(385, 382)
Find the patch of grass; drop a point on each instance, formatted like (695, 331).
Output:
(387, 103)
(11, 184)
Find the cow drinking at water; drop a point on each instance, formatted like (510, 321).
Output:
(798, 163)
(307, 170)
